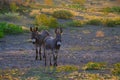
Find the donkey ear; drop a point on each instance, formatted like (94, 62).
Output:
(31, 29)
(36, 28)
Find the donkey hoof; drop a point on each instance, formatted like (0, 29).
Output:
(40, 59)
(55, 64)
(50, 64)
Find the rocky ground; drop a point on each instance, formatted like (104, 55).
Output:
(79, 46)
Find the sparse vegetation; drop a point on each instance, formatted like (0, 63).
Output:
(10, 16)
(13, 7)
(67, 68)
(42, 27)
(115, 9)
(76, 6)
(78, 1)
(111, 22)
(1, 34)
(94, 66)
(75, 23)
(43, 19)
(10, 29)
(116, 69)
(62, 14)
(94, 22)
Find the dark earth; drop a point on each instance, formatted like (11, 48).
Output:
(79, 46)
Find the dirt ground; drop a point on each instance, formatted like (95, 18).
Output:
(79, 46)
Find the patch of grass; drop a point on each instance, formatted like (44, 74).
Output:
(94, 66)
(42, 27)
(62, 14)
(111, 22)
(63, 25)
(10, 28)
(43, 19)
(4, 9)
(76, 6)
(116, 69)
(10, 74)
(10, 16)
(13, 7)
(1, 34)
(67, 68)
(43, 73)
(75, 23)
(94, 22)
(88, 76)
(115, 9)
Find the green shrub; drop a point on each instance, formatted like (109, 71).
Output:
(115, 9)
(75, 23)
(107, 9)
(116, 69)
(76, 6)
(67, 68)
(94, 22)
(52, 22)
(2, 26)
(13, 7)
(81, 2)
(94, 66)
(10, 28)
(110, 23)
(4, 10)
(42, 27)
(62, 14)
(13, 29)
(42, 19)
(63, 25)
(117, 21)
(1, 34)
(11, 15)
(112, 9)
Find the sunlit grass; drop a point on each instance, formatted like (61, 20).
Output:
(62, 72)
(116, 69)
(94, 66)
(79, 48)
(66, 68)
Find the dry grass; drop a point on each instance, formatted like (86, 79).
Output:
(100, 34)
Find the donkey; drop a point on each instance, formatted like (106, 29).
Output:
(53, 44)
(37, 39)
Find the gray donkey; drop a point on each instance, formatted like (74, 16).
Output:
(53, 44)
(37, 39)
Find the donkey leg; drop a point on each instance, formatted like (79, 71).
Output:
(56, 61)
(45, 56)
(50, 60)
(45, 60)
(36, 54)
(40, 53)
(55, 58)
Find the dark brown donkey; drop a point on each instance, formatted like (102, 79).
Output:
(53, 44)
(37, 39)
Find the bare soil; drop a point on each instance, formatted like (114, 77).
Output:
(79, 46)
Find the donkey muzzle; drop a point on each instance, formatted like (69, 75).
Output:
(33, 40)
(59, 43)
